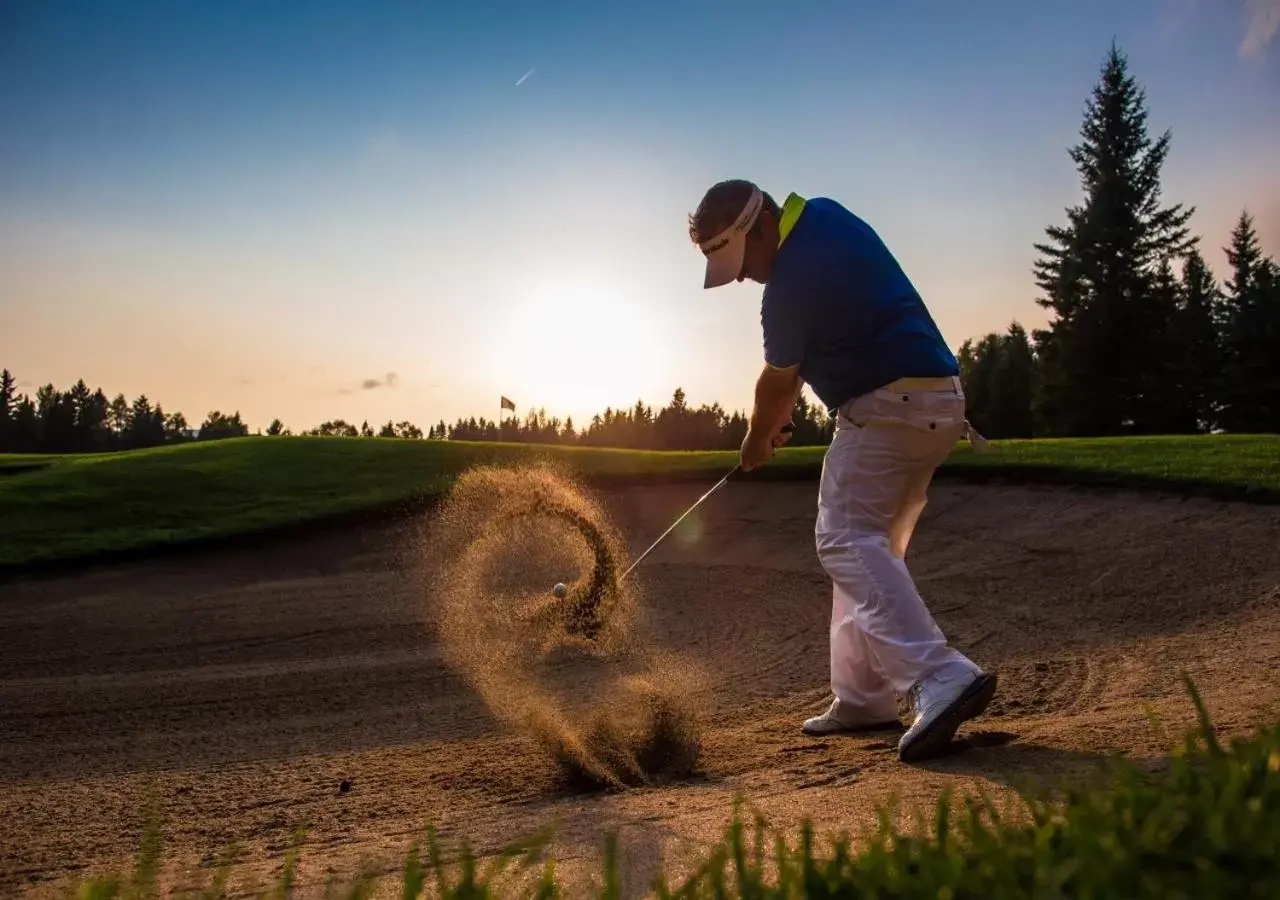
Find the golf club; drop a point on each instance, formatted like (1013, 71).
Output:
(788, 428)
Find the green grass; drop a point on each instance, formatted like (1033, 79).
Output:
(59, 508)
(1204, 823)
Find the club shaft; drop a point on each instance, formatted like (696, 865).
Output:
(696, 504)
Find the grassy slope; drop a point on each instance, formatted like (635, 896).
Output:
(77, 506)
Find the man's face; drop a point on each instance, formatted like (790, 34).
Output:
(762, 245)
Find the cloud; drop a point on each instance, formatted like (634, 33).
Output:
(1263, 20)
(391, 380)
(523, 77)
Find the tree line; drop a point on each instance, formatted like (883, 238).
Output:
(676, 426)
(80, 420)
(1142, 339)
(83, 421)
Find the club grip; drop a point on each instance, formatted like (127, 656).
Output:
(737, 470)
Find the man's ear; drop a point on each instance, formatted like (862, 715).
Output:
(765, 224)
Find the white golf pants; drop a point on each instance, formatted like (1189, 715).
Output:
(875, 478)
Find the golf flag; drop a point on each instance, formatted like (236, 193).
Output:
(507, 404)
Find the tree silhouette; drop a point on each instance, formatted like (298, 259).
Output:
(218, 426)
(1251, 335)
(1098, 272)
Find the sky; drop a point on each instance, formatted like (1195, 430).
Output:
(406, 210)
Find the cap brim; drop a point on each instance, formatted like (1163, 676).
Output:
(724, 265)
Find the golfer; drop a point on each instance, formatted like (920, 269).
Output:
(839, 314)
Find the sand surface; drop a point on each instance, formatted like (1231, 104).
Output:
(237, 690)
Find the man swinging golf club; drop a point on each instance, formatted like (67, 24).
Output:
(839, 314)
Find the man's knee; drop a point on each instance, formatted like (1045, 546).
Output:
(843, 551)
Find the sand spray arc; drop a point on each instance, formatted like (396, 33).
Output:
(577, 674)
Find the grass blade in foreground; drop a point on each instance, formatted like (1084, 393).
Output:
(1206, 823)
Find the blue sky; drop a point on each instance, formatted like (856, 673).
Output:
(260, 207)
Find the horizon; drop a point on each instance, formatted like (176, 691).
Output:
(275, 211)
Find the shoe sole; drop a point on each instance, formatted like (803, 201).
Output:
(854, 729)
(972, 703)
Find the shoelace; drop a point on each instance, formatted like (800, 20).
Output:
(913, 695)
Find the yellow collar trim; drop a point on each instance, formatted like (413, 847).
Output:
(790, 215)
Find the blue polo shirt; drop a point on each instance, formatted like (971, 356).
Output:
(838, 304)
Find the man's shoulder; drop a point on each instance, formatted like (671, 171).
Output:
(832, 217)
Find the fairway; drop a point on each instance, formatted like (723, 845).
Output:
(238, 689)
(103, 505)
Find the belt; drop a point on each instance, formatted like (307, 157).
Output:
(947, 383)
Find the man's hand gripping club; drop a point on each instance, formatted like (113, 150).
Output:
(770, 427)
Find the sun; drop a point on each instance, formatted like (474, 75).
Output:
(575, 350)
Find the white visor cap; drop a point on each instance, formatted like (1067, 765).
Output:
(726, 250)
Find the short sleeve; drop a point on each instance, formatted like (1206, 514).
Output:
(784, 318)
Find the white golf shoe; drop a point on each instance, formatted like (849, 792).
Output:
(840, 717)
(940, 704)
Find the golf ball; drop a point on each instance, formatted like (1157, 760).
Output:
(560, 589)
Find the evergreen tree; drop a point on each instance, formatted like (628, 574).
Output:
(118, 419)
(8, 410)
(143, 430)
(93, 422)
(999, 377)
(1163, 388)
(1013, 381)
(25, 425)
(1097, 272)
(1196, 343)
(57, 418)
(1251, 336)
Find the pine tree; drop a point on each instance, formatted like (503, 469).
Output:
(1251, 335)
(118, 416)
(1244, 255)
(1197, 343)
(1097, 271)
(1013, 382)
(93, 422)
(999, 377)
(24, 436)
(1164, 387)
(8, 410)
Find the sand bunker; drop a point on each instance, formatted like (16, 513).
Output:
(576, 673)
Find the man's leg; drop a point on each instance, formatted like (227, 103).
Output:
(874, 481)
(862, 695)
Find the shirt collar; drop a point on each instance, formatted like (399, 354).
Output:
(790, 215)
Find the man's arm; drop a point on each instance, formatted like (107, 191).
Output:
(784, 317)
(776, 393)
